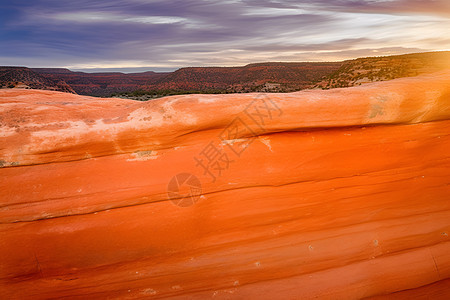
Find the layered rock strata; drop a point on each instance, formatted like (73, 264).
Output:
(339, 194)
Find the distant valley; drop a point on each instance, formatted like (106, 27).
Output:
(260, 77)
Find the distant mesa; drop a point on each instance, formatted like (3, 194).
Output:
(364, 70)
(22, 77)
(259, 77)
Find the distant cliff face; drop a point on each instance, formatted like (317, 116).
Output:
(101, 84)
(251, 78)
(288, 76)
(364, 70)
(339, 194)
(11, 77)
(260, 77)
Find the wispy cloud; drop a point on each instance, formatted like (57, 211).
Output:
(176, 33)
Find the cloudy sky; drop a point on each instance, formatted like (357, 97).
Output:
(164, 35)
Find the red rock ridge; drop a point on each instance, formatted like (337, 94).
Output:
(339, 194)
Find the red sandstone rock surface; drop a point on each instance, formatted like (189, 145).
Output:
(339, 194)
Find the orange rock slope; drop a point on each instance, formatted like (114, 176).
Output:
(338, 194)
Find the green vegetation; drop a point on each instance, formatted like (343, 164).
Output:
(363, 70)
(144, 95)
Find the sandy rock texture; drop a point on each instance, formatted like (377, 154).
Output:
(339, 194)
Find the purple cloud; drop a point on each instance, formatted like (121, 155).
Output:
(167, 34)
